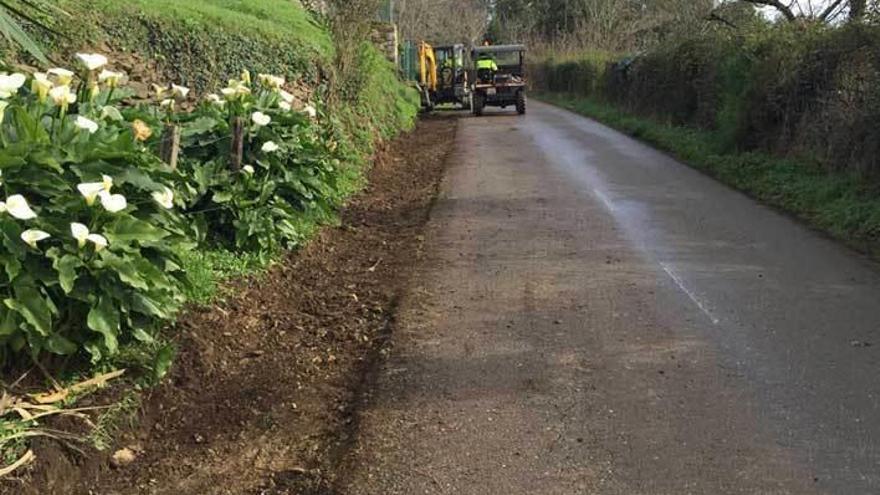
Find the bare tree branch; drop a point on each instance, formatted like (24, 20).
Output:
(717, 18)
(830, 10)
(783, 9)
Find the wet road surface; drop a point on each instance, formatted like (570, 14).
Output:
(592, 317)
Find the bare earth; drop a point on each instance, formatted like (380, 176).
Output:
(593, 317)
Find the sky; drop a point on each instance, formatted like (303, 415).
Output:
(817, 7)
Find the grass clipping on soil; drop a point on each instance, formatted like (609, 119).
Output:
(21, 416)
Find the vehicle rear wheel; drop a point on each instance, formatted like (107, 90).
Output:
(521, 103)
(479, 105)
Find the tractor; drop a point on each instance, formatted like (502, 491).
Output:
(502, 85)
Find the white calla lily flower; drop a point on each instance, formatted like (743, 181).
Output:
(90, 191)
(98, 240)
(86, 124)
(41, 85)
(285, 96)
(33, 236)
(270, 147)
(110, 78)
(3, 106)
(215, 99)
(92, 61)
(107, 181)
(285, 106)
(165, 198)
(179, 91)
(236, 89)
(11, 83)
(310, 111)
(19, 208)
(160, 91)
(270, 81)
(261, 119)
(79, 232)
(248, 169)
(63, 76)
(167, 103)
(62, 96)
(113, 203)
(82, 235)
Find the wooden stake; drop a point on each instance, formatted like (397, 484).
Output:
(236, 154)
(169, 146)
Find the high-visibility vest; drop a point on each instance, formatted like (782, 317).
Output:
(487, 63)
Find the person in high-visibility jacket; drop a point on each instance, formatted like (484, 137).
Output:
(487, 62)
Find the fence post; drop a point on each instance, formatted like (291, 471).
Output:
(236, 153)
(169, 145)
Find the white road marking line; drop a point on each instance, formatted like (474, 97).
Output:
(608, 204)
(693, 297)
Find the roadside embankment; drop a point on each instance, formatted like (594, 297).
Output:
(190, 144)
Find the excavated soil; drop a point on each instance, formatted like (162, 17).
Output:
(260, 400)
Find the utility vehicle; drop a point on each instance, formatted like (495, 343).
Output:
(503, 87)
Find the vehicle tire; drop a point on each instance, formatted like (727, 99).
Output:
(479, 105)
(521, 103)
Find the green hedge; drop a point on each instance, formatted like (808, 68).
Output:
(812, 92)
(200, 43)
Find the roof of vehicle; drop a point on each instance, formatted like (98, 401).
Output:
(499, 48)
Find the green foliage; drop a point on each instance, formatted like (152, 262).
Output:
(800, 89)
(199, 43)
(66, 293)
(63, 290)
(289, 173)
(36, 13)
(842, 204)
(208, 269)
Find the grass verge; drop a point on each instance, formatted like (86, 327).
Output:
(846, 206)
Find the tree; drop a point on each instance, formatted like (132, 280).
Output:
(822, 11)
(443, 21)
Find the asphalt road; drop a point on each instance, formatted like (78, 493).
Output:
(592, 317)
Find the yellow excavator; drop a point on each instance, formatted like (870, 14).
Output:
(442, 75)
(427, 74)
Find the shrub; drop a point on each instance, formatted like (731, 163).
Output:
(791, 89)
(90, 233)
(290, 171)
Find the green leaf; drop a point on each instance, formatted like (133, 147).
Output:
(222, 197)
(199, 126)
(57, 344)
(66, 267)
(12, 265)
(146, 305)
(9, 323)
(104, 319)
(112, 112)
(31, 305)
(130, 229)
(142, 336)
(29, 127)
(127, 271)
(12, 31)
